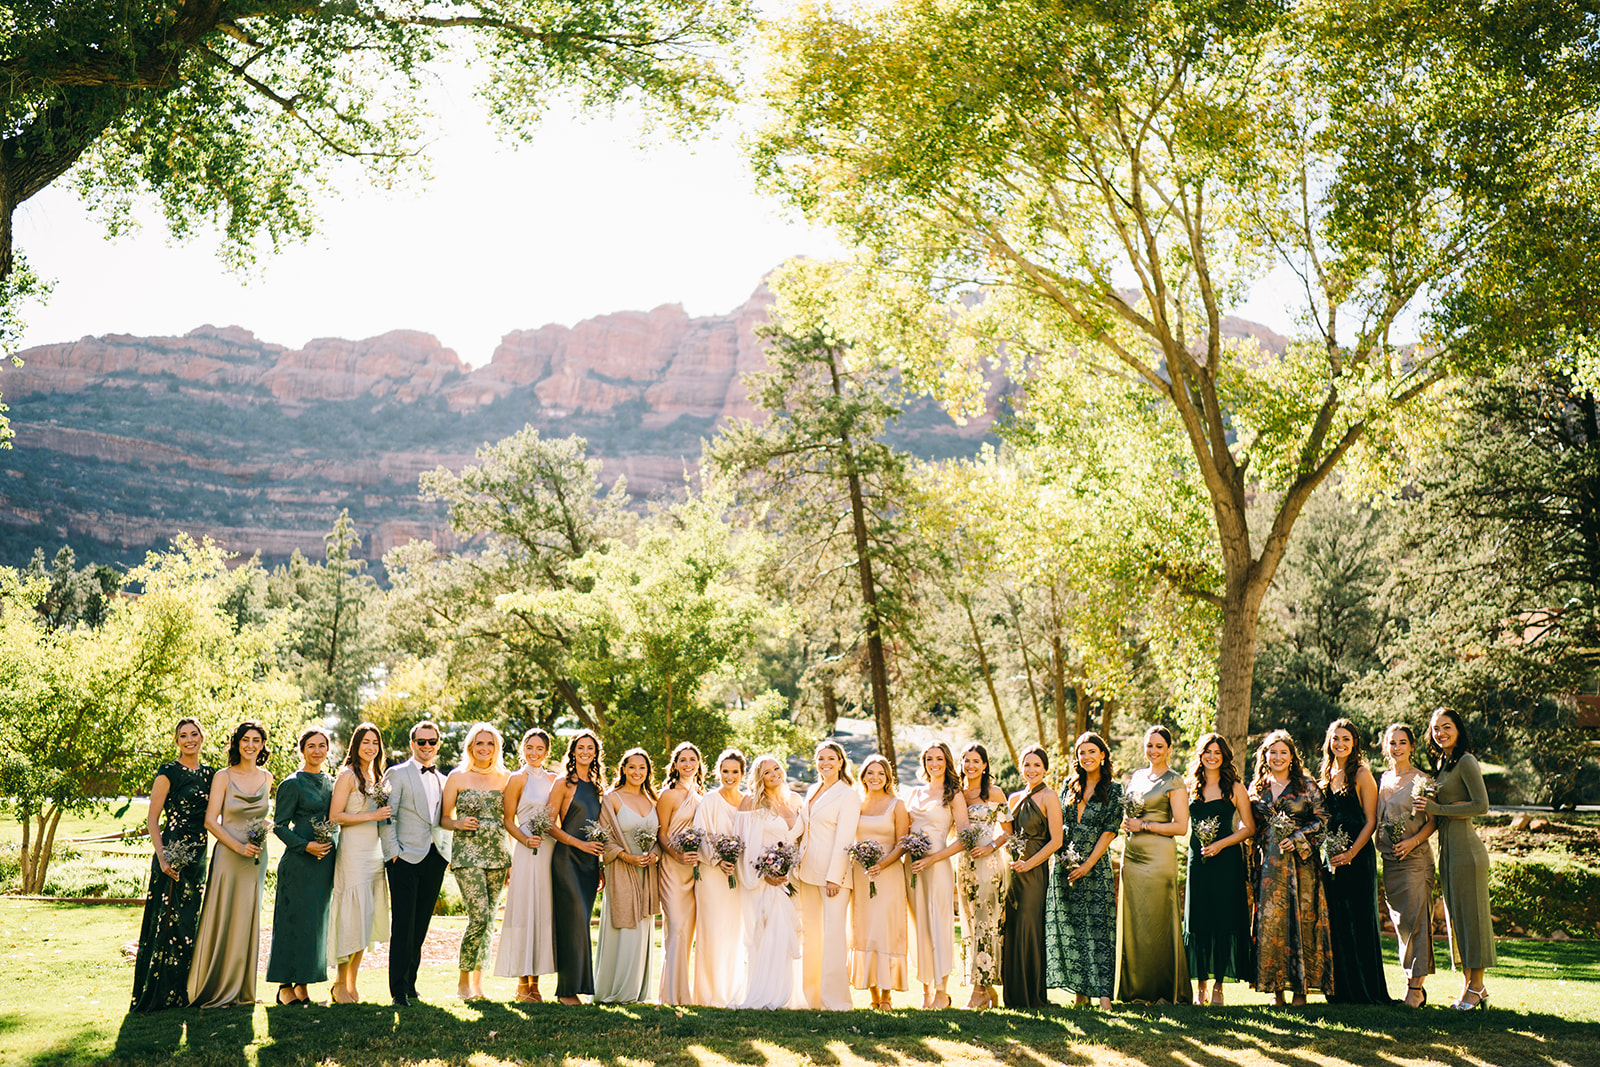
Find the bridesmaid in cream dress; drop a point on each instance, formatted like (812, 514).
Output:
(982, 877)
(1152, 964)
(939, 809)
(831, 811)
(226, 947)
(360, 908)
(771, 815)
(527, 935)
(632, 899)
(719, 909)
(680, 797)
(878, 920)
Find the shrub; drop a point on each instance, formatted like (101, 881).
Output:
(1545, 895)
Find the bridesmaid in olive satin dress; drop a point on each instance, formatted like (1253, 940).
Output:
(575, 868)
(1036, 834)
(1151, 962)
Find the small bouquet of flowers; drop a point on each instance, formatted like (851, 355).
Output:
(593, 831)
(916, 845)
(1425, 787)
(727, 848)
(182, 851)
(1132, 807)
(255, 833)
(1334, 842)
(540, 822)
(867, 853)
(468, 806)
(644, 839)
(381, 792)
(1206, 831)
(1071, 856)
(1281, 824)
(1395, 830)
(690, 839)
(323, 830)
(776, 862)
(969, 837)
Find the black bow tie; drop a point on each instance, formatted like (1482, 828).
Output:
(431, 770)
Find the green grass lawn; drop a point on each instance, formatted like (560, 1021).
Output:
(64, 994)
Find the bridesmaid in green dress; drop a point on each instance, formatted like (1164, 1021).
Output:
(299, 954)
(1463, 859)
(1035, 836)
(1151, 962)
(172, 907)
(1216, 898)
(1081, 911)
(473, 806)
(227, 946)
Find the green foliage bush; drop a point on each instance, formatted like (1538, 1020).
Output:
(1543, 895)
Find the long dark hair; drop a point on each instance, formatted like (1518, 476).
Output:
(844, 761)
(1330, 762)
(1227, 774)
(238, 732)
(985, 781)
(597, 769)
(1411, 738)
(648, 788)
(1297, 770)
(952, 777)
(672, 766)
(1078, 778)
(1463, 745)
(352, 758)
(1034, 749)
(735, 755)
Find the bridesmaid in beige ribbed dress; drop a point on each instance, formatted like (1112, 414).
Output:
(1407, 861)
(719, 932)
(675, 808)
(938, 808)
(226, 947)
(878, 919)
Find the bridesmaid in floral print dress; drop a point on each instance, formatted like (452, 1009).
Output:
(981, 877)
(1294, 947)
(1081, 910)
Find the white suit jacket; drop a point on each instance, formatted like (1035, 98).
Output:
(830, 829)
(414, 825)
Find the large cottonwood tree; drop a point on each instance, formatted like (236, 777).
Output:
(1116, 178)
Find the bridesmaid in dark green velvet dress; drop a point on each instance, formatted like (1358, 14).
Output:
(172, 907)
(1216, 899)
(575, 868)
(299, 954)
(1035, 836)
(1352, 875)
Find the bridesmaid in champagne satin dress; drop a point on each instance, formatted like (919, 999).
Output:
(939, 809)
(1036, 835)
(675, 810)
(527, 936)
(1407, 861)
(719, 969)
(1151, 962)
(878, 895)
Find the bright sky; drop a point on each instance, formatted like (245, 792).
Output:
(581, 222)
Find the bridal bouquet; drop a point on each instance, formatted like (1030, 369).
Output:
(777, 861)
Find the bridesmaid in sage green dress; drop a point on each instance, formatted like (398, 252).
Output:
(1151, 962)
(1463, 859)
(299, 954)
(473, 807)
(172, 907)
(1035, 836)
(227, 946)
(1081, 912)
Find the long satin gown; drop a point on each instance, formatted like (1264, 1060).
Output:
(359, 916)
(1022, 954)
(933, 901)
(227, 946)
(676, 882)
(1081, 916)
(1294, 947)
(527, 936)
(1151, 963)
(1352, 892)
(771, 917)
(1407, 883)
(622, 964)
(878, 922)
(1216, 901)
(574, 880)
(172, 907)
(980, 887)
(1464, 863)
(719, 980)
(299, 953)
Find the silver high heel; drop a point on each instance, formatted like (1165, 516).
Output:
(1482, 1002)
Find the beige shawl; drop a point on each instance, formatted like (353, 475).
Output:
(632, 893)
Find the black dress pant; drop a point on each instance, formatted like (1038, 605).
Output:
(413, 891)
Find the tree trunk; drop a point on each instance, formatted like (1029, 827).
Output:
(830, 705)
(988, 680)
(1236, 661)
(1081, 691)
(1027, 670)
(1058, 672)
(1108, 707)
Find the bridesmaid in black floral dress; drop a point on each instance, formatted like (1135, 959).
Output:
(1081, 909)
(172, 909)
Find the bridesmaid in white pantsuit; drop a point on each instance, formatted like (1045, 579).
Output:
(831, 811)
(719, 980)
(527, 936)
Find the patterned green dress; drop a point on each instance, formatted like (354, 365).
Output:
(481, 861)
(1081, 917)
(172, 908)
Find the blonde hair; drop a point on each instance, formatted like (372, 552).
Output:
(499, 764)
(889, 777)
(761, 796)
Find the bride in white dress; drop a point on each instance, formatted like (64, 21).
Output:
(771, 919)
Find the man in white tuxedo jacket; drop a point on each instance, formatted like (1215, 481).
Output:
(416, 853)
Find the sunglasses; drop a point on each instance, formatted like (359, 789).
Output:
(425, 741)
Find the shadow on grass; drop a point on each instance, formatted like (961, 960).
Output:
(694, 1037)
